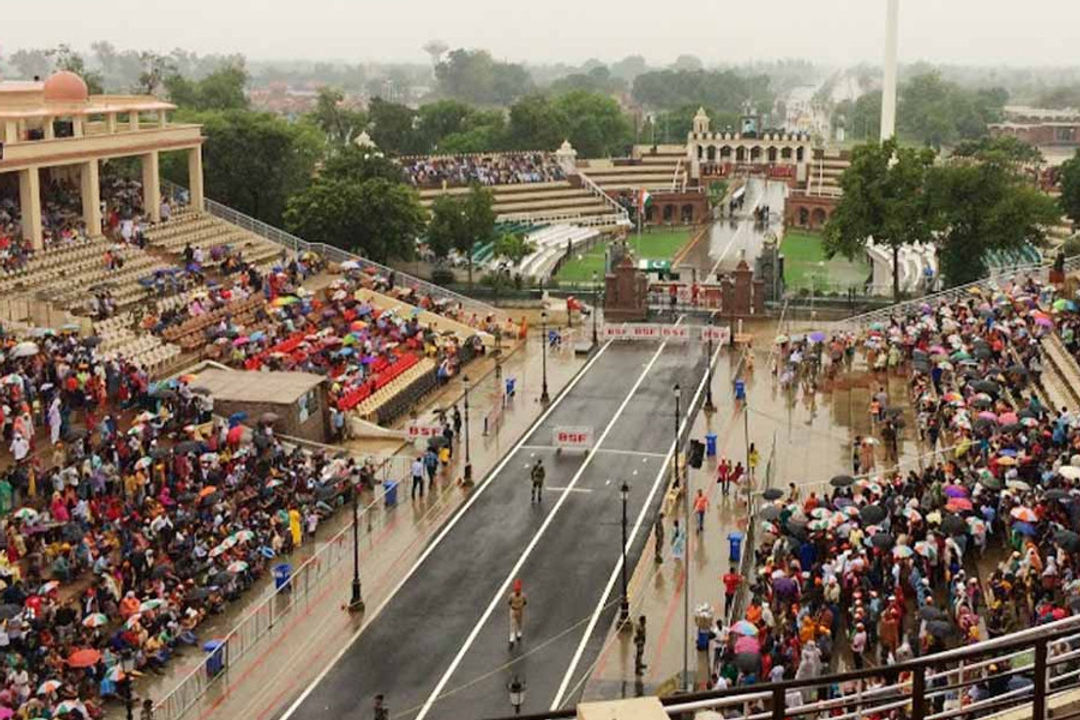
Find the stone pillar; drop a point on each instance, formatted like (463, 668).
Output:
(888, 88)
(77, 126)
(757, 306)
(727, 296)
(163, 118)
(30, 206)
(195, 178)
(110, 122)
(743, 275)
(151, 184)
(91, 197)
(133, 120)
(48, 128)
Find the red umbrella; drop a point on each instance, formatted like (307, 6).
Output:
(958, 504)
(208, 490)
(235, 434)
(87, 657)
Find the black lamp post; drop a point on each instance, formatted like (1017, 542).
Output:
(127, 665)
(356, 602)
(709, 407)
(675, 454)
(468, 456)
(544, 397)
(595, 306)
(624, 606)
(517, 693)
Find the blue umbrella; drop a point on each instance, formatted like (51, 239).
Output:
(1024, 528)
(817, 336)
(236, 418)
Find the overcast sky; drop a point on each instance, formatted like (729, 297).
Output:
(1036, 32)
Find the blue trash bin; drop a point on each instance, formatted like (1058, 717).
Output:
(702, 640)
(710, 444)
(736, 540)
(215, 659)
(390, 492)
(740, 390)
(282, 575)
(510, 386)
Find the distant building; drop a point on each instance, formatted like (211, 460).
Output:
(1054, 131)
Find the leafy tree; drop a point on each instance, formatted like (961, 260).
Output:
(461, 222)
(155, 68)
(883, 200)
(376, 218)
(357, 165)
(595, 125)
(687, 62)
(251, 161)
(629, 68)
(474, 76)
(535, 123)
(438, 119)
(861, 118)
(982, 203)
(223, 89)
(340, 124)
(717, 191)
(598, 79)
(513, 246)
(392, 127)
(724, 90)
(31, 63)
(1070, 187)
(1006, 150)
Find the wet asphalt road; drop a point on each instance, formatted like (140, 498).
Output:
(436, 620)
(730, 239)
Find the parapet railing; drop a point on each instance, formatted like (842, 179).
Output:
(1024, 671)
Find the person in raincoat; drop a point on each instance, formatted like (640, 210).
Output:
(678, 541)
(294, 526)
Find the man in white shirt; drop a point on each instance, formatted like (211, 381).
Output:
(20, 447)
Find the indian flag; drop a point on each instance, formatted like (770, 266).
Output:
(643, 198)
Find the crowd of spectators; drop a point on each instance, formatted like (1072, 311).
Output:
(500, 169)
(127, 516)
(978, 540)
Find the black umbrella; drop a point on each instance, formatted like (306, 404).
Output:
(1056, 494)
(872, 514)
(953, 525)
(220, 578)
(200, 390)
(881, 540)
(769, 512)
(74, 434)
(982, 423)
(940, 628)
(841, 481)
(1068, 540)
(929, 612)
(159, 572)
(773, 494)
(9, 611)
(164, 394)
(160, 452)
(269, 418)
(1010, 428)
(894, 411)
(982, 402)
(748, 662)
(92, 341)
(986, 386)
(200, 593)
(189, 446)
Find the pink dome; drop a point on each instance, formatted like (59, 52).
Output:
(67, 87)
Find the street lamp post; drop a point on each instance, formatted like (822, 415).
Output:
(709, 407)
(517, 693)
(624, 606)
(686, 548)
(127, 665)
(544, 397)
(596, 307)
(356, 601)
(468, 456)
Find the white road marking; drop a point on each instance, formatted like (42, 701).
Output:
(644, 455)
(445, 531)
(629, 543)
(567, 489)
(500, 594)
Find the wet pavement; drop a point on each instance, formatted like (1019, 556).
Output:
(731, 239)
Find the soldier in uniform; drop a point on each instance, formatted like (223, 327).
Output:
(537, 474)
(517, 602)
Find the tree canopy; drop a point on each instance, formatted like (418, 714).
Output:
(1070, 187)
(461, 222)
(724, 90)
(883, 200)
(223, 89)
(474, 76)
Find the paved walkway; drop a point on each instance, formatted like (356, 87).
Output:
(307, 634)
(812, 440)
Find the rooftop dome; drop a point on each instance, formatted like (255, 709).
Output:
(67, 87)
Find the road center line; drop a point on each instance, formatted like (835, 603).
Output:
(501, 593)
(637, 453)
(446, 529)
(657, 483)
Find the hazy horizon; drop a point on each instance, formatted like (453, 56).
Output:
(964, 32)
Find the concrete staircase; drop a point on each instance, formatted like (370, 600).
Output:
(1061, 374)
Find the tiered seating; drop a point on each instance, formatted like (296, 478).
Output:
(533, 202)
(550, 244)
(399, 392)
(205, 231)
(430, 319)
(824, 174)
(147, 351)
(190, 334)
(66, 274)
(660, 173)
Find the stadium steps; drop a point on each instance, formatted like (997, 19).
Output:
(1065, 367)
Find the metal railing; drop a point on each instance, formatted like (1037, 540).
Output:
(306, 585)
(1038, 270)
(555, 217)
(298, 245)
(1025, 671)
(596, 190)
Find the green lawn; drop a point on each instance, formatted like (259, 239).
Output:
(805, 265)
(658, 244)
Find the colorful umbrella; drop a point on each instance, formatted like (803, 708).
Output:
(902, 551)
(151, 604)
(745, 628)
(132, 621)
(95, 620)
(747, 644)
(926, 549)
(956, 491)
(48, 587)
(84, 658)
(959, 505)
(49, 686)
(115, 673)
(25, 514)
(237, 567)
(1024, 514)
